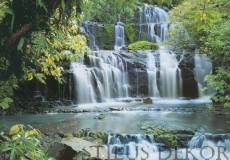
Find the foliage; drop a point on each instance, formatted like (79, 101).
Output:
(37, 39)
(143, 45)
(167, 3)
(8, 83)
(220, 81)
(3, 9)
(207, 25)
(47, 50)
(109, 11)
(22, 144)
(163, 135)
(196, 17)
(131, 32)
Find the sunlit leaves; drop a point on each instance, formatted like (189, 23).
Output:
(3, 9)
(23, 143)
(5, 103)
(47, 49)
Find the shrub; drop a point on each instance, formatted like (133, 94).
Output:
(143, 45)
(22, 144)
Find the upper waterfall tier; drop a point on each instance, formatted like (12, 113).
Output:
(153, 23)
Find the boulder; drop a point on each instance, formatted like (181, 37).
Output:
(85, 148)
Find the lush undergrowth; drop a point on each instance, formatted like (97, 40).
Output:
(22, 143)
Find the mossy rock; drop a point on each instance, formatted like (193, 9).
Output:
(165, 136)
(169, 140)
(143, 45)
(101, 117)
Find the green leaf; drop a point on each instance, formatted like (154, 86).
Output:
(63, 4)
(5, 103)
(20, 44)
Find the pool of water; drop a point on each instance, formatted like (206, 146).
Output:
(130, 122)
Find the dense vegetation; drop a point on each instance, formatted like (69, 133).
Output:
(111, 11)
(207, 24)
(37, 39)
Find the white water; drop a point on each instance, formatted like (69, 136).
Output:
(119, 36)
(152, 75)
(170, 74)
(104, 78)
(153, 23)
(156, 20)
(90, 28)
(144, 147)
(203, 67)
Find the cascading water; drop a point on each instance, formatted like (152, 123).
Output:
(90, 28)
(132, 146)
(108, 76)
(144, 147)
(153, 23)
(119, 36)
(152, 75)
(102, 78)
(170, 74)
(156, 20)
(203, 67)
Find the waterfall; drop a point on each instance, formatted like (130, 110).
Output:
(130, 146)
(197, 140)
(170, 74)
(203, 67)
(139, 147)
(102, 77)
(152, 75)
(156, 21)
(153, 23)
(84, 86)
(119, 36)
(90, 28)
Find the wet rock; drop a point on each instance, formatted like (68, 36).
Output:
(148, 101)
(101, 117)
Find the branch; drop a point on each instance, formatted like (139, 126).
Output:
(15, 36)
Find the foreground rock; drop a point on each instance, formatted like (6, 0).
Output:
(85, 148)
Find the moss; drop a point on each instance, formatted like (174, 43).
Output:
(169, 140)
(143, 45)
(100, 137)
(165, 136)
(101, 117)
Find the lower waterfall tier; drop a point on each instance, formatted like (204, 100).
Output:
(105, 75)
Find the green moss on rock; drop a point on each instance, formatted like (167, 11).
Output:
(165, 136)
(143, 45)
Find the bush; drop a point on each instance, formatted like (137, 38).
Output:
(143, 45)
(22, 144)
